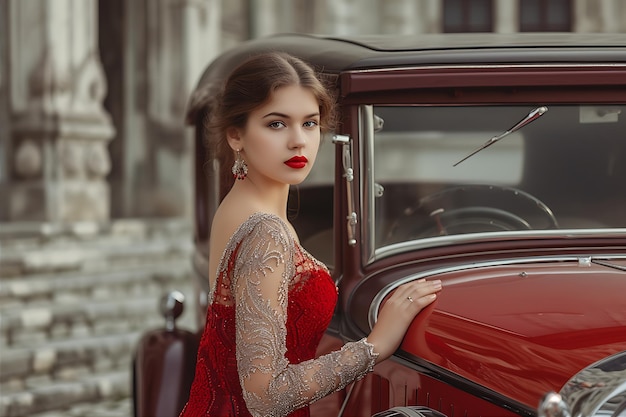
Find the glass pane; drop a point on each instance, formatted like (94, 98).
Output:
(565, 170)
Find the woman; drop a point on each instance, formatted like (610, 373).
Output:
(270, 301)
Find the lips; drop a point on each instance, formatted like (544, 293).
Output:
(297, 162)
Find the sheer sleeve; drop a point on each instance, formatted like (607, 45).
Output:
(271, 385)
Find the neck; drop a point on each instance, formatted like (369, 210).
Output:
(271, 198)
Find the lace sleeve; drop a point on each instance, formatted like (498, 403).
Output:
(271, 385)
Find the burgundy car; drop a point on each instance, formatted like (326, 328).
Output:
(495, 163)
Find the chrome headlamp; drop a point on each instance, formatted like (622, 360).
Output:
(597, 391)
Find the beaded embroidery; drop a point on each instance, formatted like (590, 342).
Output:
(261, 267)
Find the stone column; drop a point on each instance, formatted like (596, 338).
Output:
(263, 18)
(4, 112)
(430, 15)
(341, 17)
(595, 15)
(613, 15)
(506, 16)
(170, 45)
(398, 17)
(202, 39)
(57, 154)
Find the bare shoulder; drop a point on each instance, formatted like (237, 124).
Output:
(233, 224)
(225, 223)
(229, 219)
(256, 222)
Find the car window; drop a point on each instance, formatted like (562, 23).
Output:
(564, 170)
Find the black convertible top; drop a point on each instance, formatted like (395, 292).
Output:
(334, 55)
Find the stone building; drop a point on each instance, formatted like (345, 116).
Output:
(95, 164)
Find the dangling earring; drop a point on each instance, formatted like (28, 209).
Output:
(240, 169)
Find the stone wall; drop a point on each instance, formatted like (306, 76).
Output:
(73, 303)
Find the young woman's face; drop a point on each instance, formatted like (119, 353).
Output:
(282, 137)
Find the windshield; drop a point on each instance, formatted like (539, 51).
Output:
(563, 170)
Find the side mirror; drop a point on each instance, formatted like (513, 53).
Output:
(172, 306)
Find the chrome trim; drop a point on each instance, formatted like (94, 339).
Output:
(553, 405)
(348, 173)
(380, 296)
(423, 367)
(599, 389)
(367, 127)
(450, 240)
(504, 66)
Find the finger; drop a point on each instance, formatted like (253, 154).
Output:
(414, 291)
(423, 292)
(416, 299)
(425, 300)
(423, 287)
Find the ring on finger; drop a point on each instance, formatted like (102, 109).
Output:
(410, 299)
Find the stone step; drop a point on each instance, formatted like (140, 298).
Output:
(51, 285)
(74, 303)
(97, 353)
(33, 234)
(62, 320)
(38, 248)
(63, 395)
(88, 256)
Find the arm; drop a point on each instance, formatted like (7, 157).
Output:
(271, 386)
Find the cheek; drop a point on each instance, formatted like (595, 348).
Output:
(263, 143)
(263, 153)
(315, 148)
(315, 139)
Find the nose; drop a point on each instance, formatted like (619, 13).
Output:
(298, 138)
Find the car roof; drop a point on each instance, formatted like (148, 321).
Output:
(333, 55)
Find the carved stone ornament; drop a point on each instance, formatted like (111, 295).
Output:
(97, 160)
(70, 158)
(28, 159)
(48, 88)
(90, 86)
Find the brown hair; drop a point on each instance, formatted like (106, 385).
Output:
(249, 86)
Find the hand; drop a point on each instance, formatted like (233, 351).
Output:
(398, 312)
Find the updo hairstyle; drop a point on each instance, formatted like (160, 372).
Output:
(251, 85)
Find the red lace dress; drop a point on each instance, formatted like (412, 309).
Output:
(267, 313)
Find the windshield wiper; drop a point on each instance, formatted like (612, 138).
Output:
(532, 116)
(609, 265)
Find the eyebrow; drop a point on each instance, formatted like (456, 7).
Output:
(286, 116)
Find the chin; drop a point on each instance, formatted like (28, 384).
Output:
(296, 178)
(296, 182)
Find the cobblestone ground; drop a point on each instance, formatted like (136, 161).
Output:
(109, 408)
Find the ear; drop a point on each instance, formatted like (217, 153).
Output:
(233, 137)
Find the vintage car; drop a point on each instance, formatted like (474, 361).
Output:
(495, 163)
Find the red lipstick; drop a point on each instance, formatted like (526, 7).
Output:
(297, 162)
